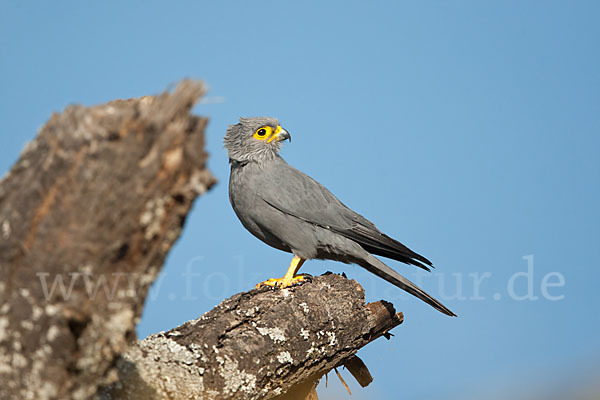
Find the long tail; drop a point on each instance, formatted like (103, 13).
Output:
(376, 266)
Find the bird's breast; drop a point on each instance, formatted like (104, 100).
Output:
(253, 212)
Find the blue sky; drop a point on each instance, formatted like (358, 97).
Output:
(468, 130)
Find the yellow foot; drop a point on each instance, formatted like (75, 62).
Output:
(282, 283)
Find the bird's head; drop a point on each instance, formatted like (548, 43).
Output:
(255, 139)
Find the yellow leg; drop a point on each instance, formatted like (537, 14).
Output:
(290, 278)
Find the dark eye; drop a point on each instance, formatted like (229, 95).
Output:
(263, 133)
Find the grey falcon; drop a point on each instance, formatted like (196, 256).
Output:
(292, 212)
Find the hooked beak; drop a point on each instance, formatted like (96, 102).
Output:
(280, 135)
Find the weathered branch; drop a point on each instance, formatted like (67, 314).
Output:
(257, 345)
(94, 203)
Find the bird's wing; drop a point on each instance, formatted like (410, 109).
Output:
(296, 194)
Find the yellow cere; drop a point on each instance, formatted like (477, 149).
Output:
(275, 134)
(266, 132)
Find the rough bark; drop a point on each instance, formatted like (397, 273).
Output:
(261, 344)
(96, 199)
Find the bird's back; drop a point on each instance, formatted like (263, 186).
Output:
(279, 205)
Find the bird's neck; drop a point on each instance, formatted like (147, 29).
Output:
(259, 161)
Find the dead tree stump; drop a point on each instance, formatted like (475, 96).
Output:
(95, 202)
(87, 217)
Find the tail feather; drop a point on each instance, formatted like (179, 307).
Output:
(376, 266)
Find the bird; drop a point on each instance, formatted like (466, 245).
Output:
(292, 212)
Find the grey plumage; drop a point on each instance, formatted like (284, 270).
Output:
(292, 212)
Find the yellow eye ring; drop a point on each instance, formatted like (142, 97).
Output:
(263, 133)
